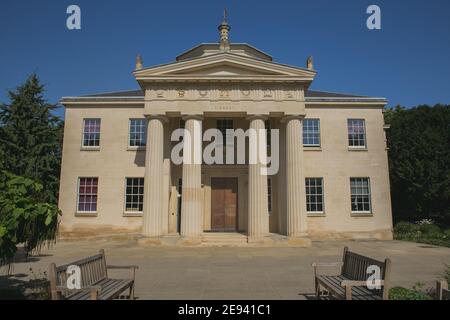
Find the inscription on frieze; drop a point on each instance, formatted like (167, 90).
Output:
(236, 92)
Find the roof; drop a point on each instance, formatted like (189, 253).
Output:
(211, 48)
(128, 93)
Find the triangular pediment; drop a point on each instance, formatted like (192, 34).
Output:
(224, 66)
(225, 69)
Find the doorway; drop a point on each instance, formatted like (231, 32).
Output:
(224, 204)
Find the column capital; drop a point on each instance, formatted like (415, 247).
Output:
(161, 117)
(192, 116)
(292, 117)
(257, 117)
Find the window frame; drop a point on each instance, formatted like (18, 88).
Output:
(224, 134)
(129, 133)
(85, 147)
(315, 213)
(268, 128)
(319, 145)
(363, 147)
(362, 212)
(133, 213)
(269, 195)
(84, 212)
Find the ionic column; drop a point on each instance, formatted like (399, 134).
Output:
(153, 192)
(258, 212)
(191, 206)
(296, 206)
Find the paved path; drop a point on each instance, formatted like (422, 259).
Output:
(240, 272)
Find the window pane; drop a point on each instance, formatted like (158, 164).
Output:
(314, 194)
(91, 132)
(138, 133)
(311, 132)
(356, 133)
(134, 195)
(87, 194)
(360, 194)
(223, 125)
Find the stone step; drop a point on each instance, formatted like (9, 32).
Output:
(224, 238)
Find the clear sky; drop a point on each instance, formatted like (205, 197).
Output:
(407, 61)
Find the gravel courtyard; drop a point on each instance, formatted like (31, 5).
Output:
(239, 272)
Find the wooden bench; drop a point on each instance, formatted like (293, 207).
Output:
(442, 292)
(95, 283)
(351, 283)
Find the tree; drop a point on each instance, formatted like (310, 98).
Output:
(419, 160)
(23, 218)
(31, 137)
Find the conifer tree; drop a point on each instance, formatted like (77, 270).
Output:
(31, 137)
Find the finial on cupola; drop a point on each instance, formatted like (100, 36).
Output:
(224, 29)
(139, 62)
(310, 63)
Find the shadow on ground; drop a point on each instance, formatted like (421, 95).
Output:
(20, 286)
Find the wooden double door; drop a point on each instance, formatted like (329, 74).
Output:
(224, 204)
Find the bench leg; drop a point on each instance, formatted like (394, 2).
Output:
(132, 292)
(317, 285)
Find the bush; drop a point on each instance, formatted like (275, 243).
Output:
(423, 231)
(430, 229)
(403, 228)
(400, 293)
(24, 220)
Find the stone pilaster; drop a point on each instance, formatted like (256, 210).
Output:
(154, 173)
(296, 206)
(258, 213)
(191, 206)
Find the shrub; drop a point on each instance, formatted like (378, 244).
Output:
(400, 293)
(431, 230)
(406, 228)
(24, 220)
(424, 231)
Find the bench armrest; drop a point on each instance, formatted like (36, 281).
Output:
(132, 269)
(349, 284)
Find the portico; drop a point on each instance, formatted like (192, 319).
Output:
(245, 200)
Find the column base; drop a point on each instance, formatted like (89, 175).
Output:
(300, 241)
(260, 240)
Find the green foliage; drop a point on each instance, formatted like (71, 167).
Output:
(400, 293)
(419, 153)
(23, 218)
(30, 138)
(422, 232)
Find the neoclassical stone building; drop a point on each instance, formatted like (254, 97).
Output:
(118, 175)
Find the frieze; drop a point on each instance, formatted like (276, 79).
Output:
(224, 93)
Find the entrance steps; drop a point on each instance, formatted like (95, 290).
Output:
(223, 239)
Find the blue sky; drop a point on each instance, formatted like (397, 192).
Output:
(408, 61)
